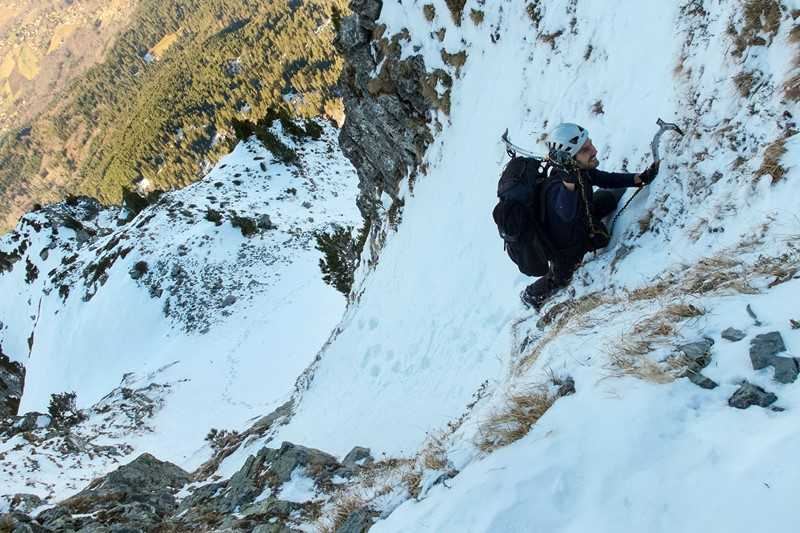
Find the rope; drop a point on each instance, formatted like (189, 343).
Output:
(627, 203)
(592, 229)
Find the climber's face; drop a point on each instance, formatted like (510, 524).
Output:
(587, 156)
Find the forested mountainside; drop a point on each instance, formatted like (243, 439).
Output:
(158, 111)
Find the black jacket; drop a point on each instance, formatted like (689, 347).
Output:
(566, 222)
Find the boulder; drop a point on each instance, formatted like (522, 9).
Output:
(359, 521)
(764, 347)
(763, 353)
(749, 394)
(699, 355)
(733, 334)
(358, 457)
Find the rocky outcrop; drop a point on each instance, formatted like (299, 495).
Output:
(12, 377)
(136, 497)
(143, 496)
(387, 130)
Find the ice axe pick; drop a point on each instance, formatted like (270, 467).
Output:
(662, 127)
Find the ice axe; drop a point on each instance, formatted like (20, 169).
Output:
(662, 127)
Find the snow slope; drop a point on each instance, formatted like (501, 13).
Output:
(227, 322)
(439, 315)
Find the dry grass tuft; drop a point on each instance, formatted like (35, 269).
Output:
(791, 88)
(551, 38)
(429, 11)
(760, 17)
(629, 356)
(477, 16)
(522, 409)
(456, 8)
(651, 292)
(433, 455)
(744, 82)
(413, 482)
(794, 34)
(571, 313)
(772, 161)
(782, 268)
(645, 221)
(716, 274)
(344, 506)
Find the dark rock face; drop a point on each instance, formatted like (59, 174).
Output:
(12, 378)
(749, 394)
(733, 335)
(386, 130)
(763, 353)
(14, 425)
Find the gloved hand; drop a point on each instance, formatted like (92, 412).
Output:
(647, 176)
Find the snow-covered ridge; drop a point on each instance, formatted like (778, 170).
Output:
(90, 298)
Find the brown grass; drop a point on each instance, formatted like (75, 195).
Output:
(413, 481)
(344, 506)
(744, 82)
(791, 88)
(629, 355)
(551, 38)
(477, 16)
(772, 161)
(521, 410)
(429, 11)
(794, 34)
(760, 16)
(433, 455)
(456, 8)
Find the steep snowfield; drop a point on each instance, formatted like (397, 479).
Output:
(225, 322)
(435, 317)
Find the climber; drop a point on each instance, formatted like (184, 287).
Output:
(573, 212)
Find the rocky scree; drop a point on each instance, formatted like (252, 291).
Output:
(143, 496)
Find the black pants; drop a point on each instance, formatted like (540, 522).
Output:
(603, 204)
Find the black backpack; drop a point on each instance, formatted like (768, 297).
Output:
(520, 214)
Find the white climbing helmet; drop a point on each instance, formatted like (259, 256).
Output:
(566, 139)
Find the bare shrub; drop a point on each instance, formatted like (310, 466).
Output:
(63, 410)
